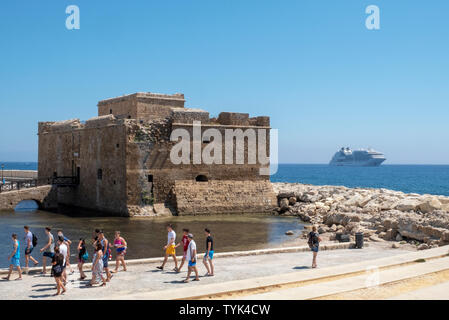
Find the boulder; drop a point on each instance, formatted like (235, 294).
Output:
(429, 205)
(289, 233)
(292, 200)
(321, 230)
(283, 204)
(398, 237)
(375, 238)
(395, 245)
(423, 246)
(407, 204)
(285, 194)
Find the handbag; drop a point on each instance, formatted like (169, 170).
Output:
(85, 256)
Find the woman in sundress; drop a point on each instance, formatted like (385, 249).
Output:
(97, 266)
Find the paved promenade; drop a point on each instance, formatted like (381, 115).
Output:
(143, 281)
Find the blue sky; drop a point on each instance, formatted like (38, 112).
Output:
(312, 66)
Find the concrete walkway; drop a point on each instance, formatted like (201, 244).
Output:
(332, 289)
(143, 281)
(436, 292)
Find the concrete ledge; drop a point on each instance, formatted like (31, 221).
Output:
(330, 246)
(294, 278)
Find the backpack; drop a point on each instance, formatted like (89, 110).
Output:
(313, 240)
(34, 241)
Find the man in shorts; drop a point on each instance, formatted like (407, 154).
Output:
(185, 244)
(63, 250)
(170, 248)
(105, 245)
(191, 258)
(68, 242)
(14, 258)
(28, 247)
(48, 250)
(209, 255)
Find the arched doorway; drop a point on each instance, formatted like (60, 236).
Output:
(201, 178)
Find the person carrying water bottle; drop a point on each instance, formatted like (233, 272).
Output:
(314, 244)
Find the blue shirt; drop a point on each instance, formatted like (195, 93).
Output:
(17, 254)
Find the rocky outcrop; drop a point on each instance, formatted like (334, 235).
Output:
(380, 214)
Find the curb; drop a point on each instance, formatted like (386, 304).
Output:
(324, 247)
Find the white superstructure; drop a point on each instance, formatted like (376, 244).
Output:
(360, 157)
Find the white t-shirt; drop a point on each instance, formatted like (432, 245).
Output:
(171, 235)
(190, 248)
(63, 251)
(28, 236)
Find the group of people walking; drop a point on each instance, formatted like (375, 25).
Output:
(58, 252)
(189, 252)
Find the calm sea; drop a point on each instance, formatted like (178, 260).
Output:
(431, 179)
(423, 179)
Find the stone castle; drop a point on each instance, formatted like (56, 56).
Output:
(119, 162)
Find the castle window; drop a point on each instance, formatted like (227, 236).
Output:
(110, 111)
(129, 117)
(117, 145)
(99, 174)
(201, 178)
(150, 178)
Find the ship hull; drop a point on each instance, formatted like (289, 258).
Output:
(366, 163)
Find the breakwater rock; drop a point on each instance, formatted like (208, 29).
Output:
(380, 214)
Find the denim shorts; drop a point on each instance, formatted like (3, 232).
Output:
(105, 261)
(28, 251)
(314, 249)
(49, 254)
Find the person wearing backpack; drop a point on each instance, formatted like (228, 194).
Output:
(314, 244)
(30, 243)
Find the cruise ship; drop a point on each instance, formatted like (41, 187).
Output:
(361, 157)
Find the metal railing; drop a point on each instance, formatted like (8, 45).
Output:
(17, 185)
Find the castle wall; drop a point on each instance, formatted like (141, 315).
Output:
(224, 196)
(150, 155)
(99, 144)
